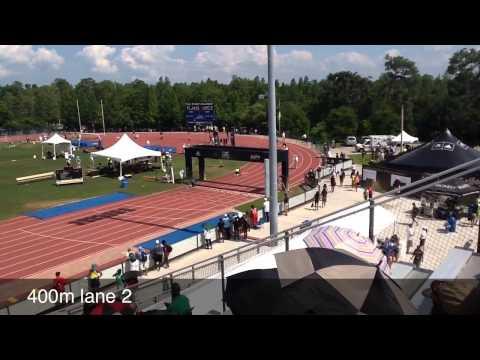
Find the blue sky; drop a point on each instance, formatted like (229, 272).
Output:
(41, 64)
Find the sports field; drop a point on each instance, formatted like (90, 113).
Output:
(18, 162)
(71, 242)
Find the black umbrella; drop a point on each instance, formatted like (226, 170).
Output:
(454, 188)
(316, 281)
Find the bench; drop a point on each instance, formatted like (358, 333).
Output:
(69, 181)
(35, 177)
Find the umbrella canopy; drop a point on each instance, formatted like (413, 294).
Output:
(456, 188)
(442, 153)
(334, 237)
(316, 281)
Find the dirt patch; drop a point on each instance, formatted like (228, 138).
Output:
(35, 205)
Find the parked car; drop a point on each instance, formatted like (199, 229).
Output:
(351, 141)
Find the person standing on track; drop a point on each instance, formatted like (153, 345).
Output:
(295, 161)
(167, 249)
(220, 231)
(266, 210)
(207, 237)
(157, 254)
(143, 258)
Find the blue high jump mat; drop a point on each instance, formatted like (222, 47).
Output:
(182, 234)
(84, 143)
(163, 149)
(59, 210)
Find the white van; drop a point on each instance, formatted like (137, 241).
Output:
(351, 141)
(373, 141)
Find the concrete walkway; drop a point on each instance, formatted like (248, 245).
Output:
(342, 197)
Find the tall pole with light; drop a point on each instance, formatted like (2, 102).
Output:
(79, 125)
(103, 117)
(272, 139)
(401, 132)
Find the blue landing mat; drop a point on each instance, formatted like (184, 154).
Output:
(78, 206)
(182, 234)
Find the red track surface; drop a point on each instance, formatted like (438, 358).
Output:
(33, 248)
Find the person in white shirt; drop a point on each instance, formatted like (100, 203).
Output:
(266, 209)
(295, 161)
(133, 261)
(207, 237)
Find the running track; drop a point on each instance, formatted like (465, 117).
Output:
(34, 249)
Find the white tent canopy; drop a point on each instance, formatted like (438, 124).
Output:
(55, 140)
(407, 138)
(124, 150)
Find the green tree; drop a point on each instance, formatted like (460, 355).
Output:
(342, 122)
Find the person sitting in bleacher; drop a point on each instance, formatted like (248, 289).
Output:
(180, 304)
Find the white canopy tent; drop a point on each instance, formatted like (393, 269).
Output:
(407, 138)
(55, 140)
(125, 149)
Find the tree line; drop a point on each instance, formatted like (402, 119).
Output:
(344, 103)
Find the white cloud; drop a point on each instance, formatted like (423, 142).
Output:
(152, 60)
(228, 58)
(99, 56)
(392, 52)
(4, 72)
(440, 48)
(351, 58)
(27, 55)
(294, 55)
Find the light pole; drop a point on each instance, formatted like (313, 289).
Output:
(272, 139)
(265, 96)
(401, 132)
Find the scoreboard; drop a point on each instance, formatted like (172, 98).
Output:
(199, 113)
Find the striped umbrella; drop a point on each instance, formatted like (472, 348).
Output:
(316, 281)
(334, 237)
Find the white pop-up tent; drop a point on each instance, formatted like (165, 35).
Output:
(407, 138)
(57, 140)
(125, 149)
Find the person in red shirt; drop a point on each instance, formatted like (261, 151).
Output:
(253, 217)
(59, 282)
